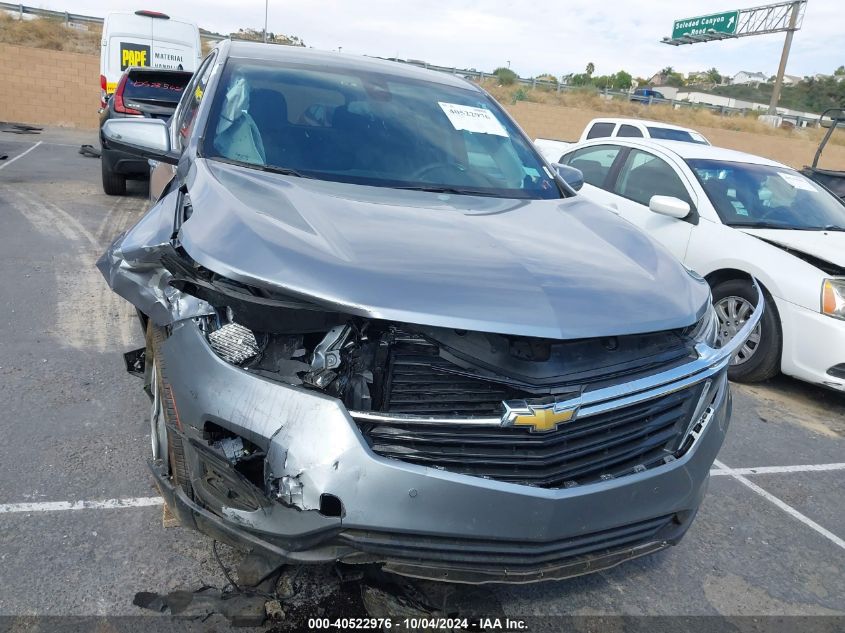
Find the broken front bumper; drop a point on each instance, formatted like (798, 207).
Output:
(419, 521)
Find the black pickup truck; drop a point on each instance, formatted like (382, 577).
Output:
(141, 92)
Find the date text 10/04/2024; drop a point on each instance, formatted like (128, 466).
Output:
(417, 624)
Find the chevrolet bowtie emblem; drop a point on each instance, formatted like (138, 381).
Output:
(540, 417)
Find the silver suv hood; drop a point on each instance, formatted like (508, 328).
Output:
(547, 268)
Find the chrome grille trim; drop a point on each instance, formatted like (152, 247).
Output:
(710, 362)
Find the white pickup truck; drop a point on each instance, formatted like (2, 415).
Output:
(552, 150)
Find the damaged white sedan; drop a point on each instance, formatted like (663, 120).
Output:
(382, 329)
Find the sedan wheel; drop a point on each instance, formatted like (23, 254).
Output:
(759, 358)
(733, 312)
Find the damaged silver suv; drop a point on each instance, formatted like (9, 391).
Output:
(382, 329)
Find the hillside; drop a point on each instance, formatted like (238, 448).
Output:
(589, 100)
(812, 95)
(50, 34)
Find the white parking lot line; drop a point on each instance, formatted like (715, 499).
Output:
(6, 163)
(768, 470)
(55, 506)
(781, 504)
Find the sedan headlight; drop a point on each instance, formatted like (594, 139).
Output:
(707, 329)
(833, 298)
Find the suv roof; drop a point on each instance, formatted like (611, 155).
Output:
(647, 122)
(302, 55)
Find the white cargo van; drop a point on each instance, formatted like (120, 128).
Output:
(145, 38)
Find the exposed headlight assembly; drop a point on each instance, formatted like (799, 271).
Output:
(234, 343)
(707, 329)
(833, 298)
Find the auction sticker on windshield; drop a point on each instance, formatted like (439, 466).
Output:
(473, 119)
(797, 182)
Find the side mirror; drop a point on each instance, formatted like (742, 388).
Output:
(570, 175)
(147, 138)
(669, 205)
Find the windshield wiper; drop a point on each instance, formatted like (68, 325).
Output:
(273, 169)
(284, 171)
(453, 190)
(760, 225)
(785, 227)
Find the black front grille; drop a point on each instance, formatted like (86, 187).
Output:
(585, 450)
(424, 378)
(468, 553)
(420, 382)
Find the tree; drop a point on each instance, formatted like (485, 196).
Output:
(674, 79)
(667, 71)
(714, 76)
(506, 76)
(580, 79)
(547, 77)
(257, 35)
(591, 67)
(839, 71)
(621, 81)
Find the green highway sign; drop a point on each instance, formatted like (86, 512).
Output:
(725, 22)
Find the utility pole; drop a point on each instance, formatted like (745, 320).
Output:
(787, 44)
(266, 9)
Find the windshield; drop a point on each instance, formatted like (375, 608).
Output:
(669, 134)
(369, 128)
(767, 197)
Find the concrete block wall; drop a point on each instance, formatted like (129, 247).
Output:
(46, 87)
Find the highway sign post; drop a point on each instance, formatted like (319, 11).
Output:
(785, 16)
(725, 22)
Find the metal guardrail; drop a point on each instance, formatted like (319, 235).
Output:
(477, 75)
(46, 13)
(22, 9)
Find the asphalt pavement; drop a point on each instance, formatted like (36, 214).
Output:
(81, 525)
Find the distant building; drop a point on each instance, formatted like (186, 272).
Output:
(746, 77)
(792, 80)
(801, 119)
(698, 77)
(667, 91)
(823, 77)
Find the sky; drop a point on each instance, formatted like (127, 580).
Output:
(535, 37)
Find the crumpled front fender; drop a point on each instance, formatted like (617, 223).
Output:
(132, 267)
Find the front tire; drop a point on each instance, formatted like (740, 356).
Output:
(166, 442)
(759, 358)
